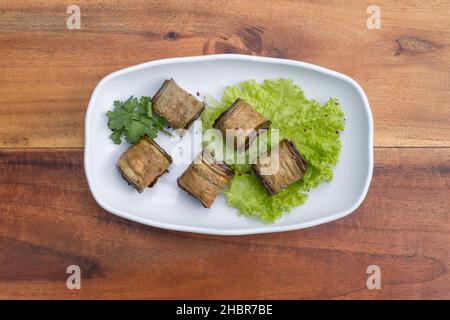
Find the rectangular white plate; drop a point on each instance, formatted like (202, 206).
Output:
(165, 205)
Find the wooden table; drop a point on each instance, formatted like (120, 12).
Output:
(49, 220)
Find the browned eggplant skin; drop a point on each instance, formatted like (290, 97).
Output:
(229, 120)
(218, 122)
(195, 117)
(271, 183)
(301, 162)
(143, 163)
(160, 90)
(205, 179)
(178, 107)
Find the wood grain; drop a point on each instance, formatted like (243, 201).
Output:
(49, 72)
(49, 220)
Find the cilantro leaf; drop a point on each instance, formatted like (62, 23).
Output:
(133, 119)
(115, 136)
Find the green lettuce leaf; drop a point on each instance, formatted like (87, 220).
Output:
(313, 128)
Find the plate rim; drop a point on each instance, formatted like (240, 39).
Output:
(216, 231)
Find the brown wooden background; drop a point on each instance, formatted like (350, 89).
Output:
(48, 219)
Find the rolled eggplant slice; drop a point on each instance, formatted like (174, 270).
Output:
(205, 178)
(243, 122)
(280, 168)
(143, 163)
(178, 107)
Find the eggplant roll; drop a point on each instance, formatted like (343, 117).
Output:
(244, 120)
(205, 178)
(290, 167)
(143, 163)
(178, 107)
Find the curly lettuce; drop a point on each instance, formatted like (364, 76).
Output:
(313, 128)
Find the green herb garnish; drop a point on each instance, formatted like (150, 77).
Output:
(133, 119)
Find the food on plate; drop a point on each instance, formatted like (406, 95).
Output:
(133, 119)
(178, 107)
(205, 178)
(143, 163)
(313, 127)
(243, 122)
(303, 133)
(280, 167)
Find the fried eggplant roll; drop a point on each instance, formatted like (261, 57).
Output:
(143, 163)
(246, 122)
(286, 166)
(205, 178)
(178, 107)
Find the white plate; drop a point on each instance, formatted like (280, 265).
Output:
(165, 205)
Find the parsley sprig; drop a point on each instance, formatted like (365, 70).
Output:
(134, 119)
